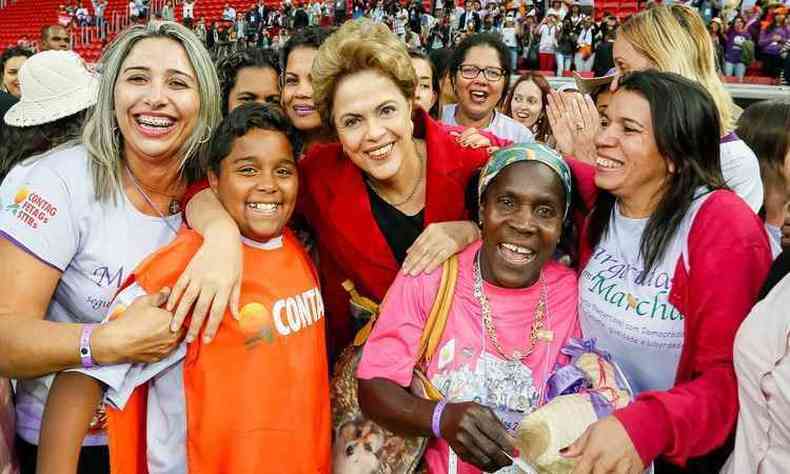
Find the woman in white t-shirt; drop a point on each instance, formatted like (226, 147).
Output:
(671, 263)
(75, 222)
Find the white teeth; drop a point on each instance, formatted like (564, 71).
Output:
(518, 249)
(263, 206)
(610, 164)
(154, 121)
(383, 151)
(479, 94)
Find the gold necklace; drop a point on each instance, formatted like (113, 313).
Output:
(536, 331)
(413, 191)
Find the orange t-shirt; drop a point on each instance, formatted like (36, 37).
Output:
(258, 395)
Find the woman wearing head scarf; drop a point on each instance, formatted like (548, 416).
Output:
(513, 308)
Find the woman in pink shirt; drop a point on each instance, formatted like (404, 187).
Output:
(513, 309)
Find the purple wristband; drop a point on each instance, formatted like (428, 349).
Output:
(437, 418)
(86, 356)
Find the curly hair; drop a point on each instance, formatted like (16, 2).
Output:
(228, 68)
(360, 45)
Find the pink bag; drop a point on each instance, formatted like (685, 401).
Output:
(7, 460)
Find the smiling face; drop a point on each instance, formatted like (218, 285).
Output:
(425, 96)
(156, 102)
(628, 162)
(254, 85)
(477, 97)
(627, 58)
(527, 103)
(297, 93)
(373, 122)
(521, 223)
(258, 183)
(11, 75)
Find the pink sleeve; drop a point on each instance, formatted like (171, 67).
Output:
(729, 258)
(391, 348)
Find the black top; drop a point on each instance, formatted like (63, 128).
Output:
(399, 230)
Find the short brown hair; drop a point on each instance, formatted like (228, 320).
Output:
(360, 45)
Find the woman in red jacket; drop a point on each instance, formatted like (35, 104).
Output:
(390, 193)
(672, 262)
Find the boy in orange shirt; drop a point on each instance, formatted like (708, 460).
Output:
(255, 400)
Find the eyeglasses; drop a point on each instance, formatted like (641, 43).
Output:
(469, 71)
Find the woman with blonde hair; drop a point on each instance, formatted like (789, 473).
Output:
(674, 39)
(78, 220)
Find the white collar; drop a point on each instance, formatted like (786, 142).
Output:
(271, 244)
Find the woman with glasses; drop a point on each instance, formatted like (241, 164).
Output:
(480, 73)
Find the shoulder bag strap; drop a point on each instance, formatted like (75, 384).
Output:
(437, 318)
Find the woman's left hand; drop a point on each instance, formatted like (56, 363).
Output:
(437, 243)
(605, 447)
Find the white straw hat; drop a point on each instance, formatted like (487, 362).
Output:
(54, 84)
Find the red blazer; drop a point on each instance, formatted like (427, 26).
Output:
(334, 199)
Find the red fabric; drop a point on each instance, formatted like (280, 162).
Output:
(729, 257)
(547, 61)
(351, 245)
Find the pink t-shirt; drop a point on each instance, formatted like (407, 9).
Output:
(466, 366)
